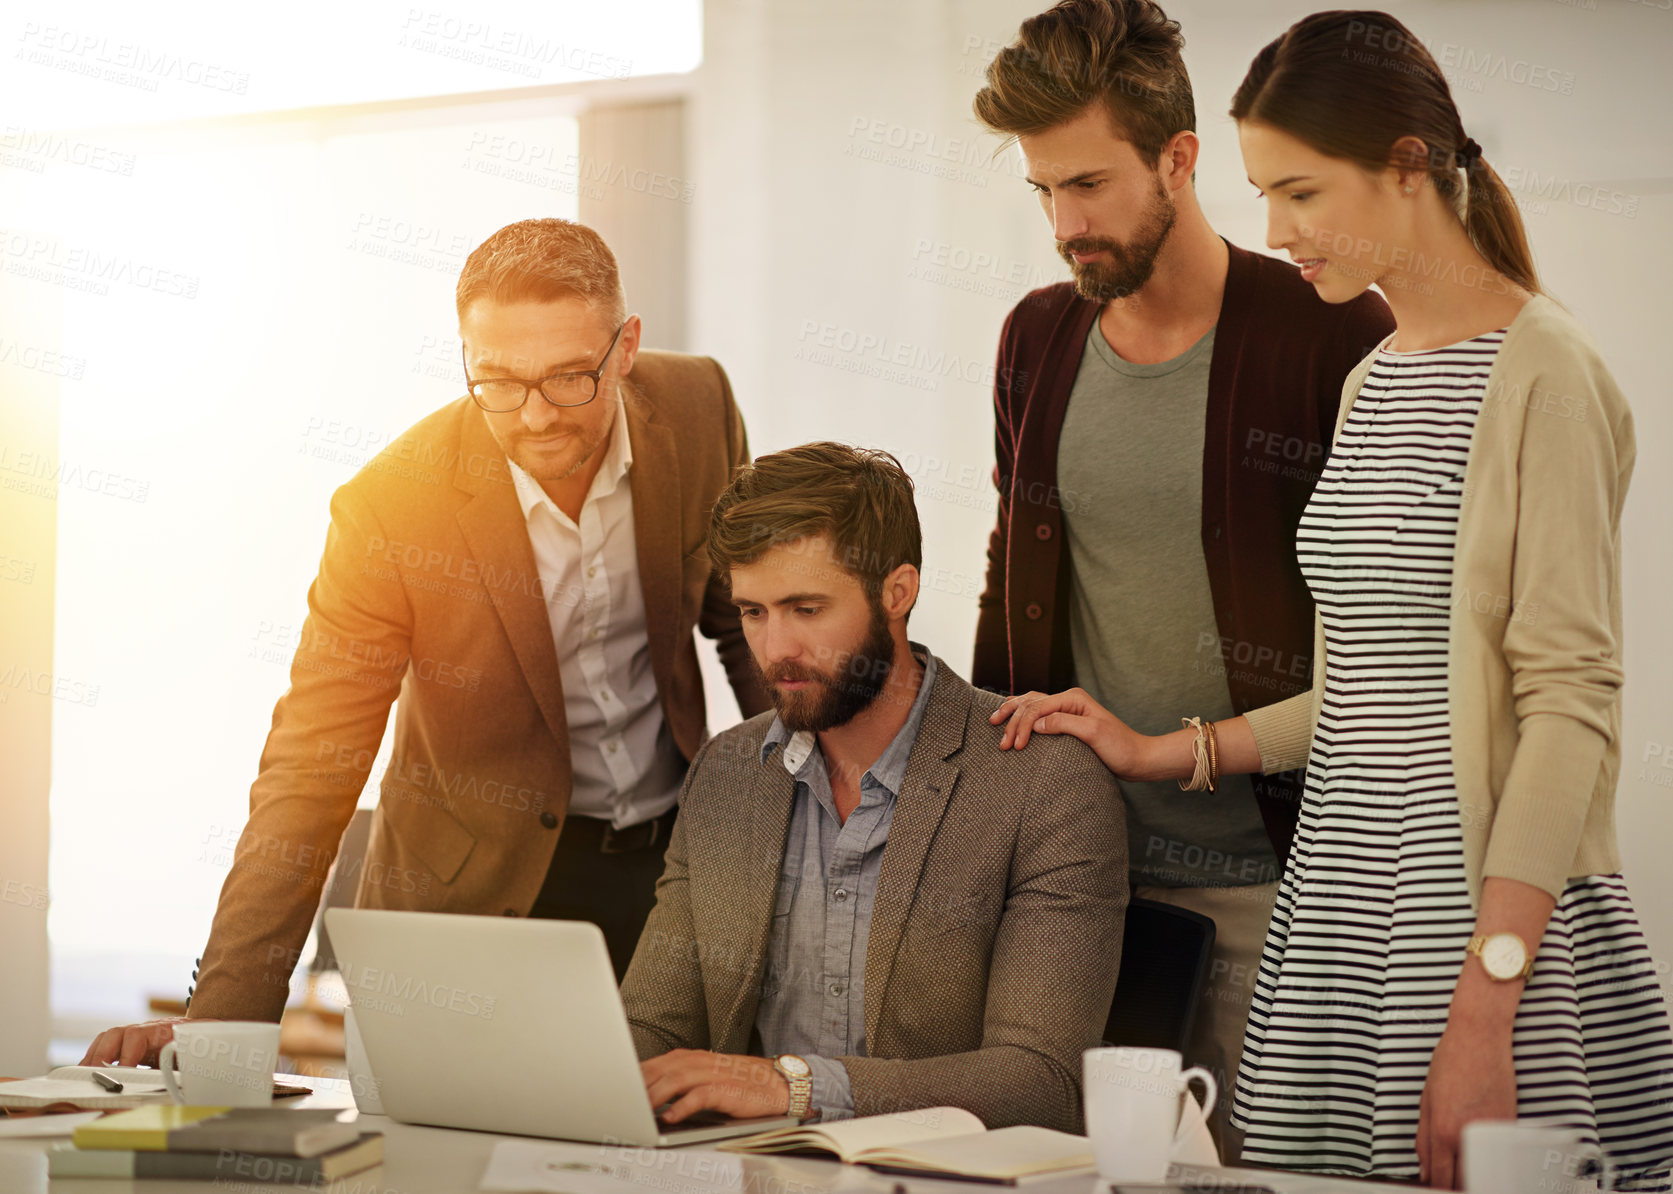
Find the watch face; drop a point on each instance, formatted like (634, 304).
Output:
(794, 1066)
(1504, 955)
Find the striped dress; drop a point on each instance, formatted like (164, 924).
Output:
(1373, 913)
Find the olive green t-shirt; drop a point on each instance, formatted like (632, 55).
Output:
(1141, 616)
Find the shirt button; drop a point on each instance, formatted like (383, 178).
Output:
(592, 572)
(841, 895)
(1034, 612)
(611, 748)
(549, 820)
(836, 988)
(1043, 531)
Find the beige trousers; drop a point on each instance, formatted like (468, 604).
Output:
(1240, 916)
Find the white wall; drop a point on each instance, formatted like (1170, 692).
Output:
(800, 234)
(34, 376)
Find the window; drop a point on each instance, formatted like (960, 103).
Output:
(208, 275)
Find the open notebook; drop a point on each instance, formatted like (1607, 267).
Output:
(74, 1084)
(937, 1141)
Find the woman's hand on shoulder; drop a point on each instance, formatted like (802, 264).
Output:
(1072, 712)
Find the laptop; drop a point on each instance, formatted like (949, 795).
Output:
(503, 1024)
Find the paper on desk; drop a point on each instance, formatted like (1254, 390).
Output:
(1192, 1143)
(43, 1092)
(45, 1125)
(609, 1169)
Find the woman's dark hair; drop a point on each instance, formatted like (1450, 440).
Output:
(1352, 84)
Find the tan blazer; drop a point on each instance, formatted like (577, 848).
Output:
(995, 934)
(428, 587)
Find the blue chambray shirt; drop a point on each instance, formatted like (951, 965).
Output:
(813, 992)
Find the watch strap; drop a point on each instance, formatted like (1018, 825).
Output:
(801, 1097)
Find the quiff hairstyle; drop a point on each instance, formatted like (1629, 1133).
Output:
(1125, 54)
(543, 261)
(858, 498)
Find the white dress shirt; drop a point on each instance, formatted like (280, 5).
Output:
(625, 765)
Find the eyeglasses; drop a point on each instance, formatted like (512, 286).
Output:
(500, 395)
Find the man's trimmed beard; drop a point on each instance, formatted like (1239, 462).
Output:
(512, 442)
(525, 460)
(838, 696)
(1131, 263)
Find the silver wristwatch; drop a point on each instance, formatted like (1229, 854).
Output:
(800, 1077)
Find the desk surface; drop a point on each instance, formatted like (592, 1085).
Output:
(419, 1160)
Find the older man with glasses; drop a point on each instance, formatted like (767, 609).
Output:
(524, 568)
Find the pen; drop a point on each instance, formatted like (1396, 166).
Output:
(106, 1081)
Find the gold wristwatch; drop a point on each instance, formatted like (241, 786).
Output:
(1504, 956)
(800, 1077)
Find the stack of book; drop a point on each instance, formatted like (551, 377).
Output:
(250, 1144)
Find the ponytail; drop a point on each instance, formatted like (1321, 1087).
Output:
(1494, 223)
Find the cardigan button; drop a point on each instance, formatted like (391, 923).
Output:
(1034, 612)
(1043, 531)
(549, 819)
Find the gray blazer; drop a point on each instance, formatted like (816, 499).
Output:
(995, 935)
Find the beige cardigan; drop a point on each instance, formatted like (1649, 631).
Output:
(1534, 659)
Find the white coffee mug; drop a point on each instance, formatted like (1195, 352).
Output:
(223, 1063)
(1133, 1101)
(1518, 1157)
(367, 1096)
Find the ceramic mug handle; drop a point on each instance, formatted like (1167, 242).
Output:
(165, 1062)
(1211, 1088)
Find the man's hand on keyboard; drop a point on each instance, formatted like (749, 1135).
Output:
(695, 1080)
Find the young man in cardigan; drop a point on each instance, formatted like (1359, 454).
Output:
(1160, 423)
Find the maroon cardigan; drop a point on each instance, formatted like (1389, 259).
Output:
(1274, 385)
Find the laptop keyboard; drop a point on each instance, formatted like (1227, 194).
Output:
(697, 1119)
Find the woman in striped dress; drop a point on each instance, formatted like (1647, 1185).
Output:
(1462, 738)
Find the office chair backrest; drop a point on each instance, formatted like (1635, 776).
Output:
(1164, 966)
